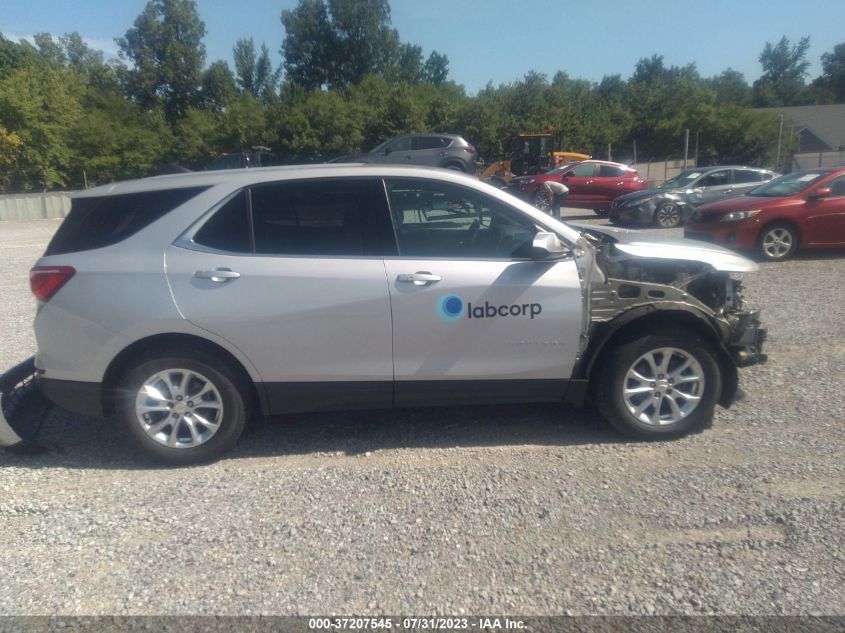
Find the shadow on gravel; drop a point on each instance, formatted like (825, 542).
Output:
(76, 442)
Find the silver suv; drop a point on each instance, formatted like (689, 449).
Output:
(182, 304)
(421, 150)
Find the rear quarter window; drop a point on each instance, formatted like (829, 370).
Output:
(106, 220)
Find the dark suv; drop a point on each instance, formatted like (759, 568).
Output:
(424, 150)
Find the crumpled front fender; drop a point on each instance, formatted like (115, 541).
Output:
(22, 407)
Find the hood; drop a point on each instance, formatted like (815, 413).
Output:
(634, 243)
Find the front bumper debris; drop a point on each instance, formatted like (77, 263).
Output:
(746, 344)
(22, 407)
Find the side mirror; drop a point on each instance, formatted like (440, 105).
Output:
(386, 151)
(546, 245)
(821, 192)
(569, 174)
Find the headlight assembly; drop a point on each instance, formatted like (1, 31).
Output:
(736, 216)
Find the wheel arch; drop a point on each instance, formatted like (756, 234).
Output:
(781, 220)
(166, 343)
(640, 321)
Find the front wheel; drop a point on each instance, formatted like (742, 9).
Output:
(777, 242)
(658, 386)
(601, 212)
(668, 216)
(183, 408)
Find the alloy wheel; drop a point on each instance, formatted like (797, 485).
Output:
(668, 216)
(777, 243)
(663, 386)
(179, 408)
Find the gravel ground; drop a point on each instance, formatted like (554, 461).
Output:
(520, 509)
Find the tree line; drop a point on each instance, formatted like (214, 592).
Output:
(71, 118)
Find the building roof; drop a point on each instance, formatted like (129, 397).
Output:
(822, 127)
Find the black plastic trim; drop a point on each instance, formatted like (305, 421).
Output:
(412, 393)
(79, 397)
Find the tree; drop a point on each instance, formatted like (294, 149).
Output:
(833, 74)
(436, 69)
(730, 87)
(784, 69)
(255, 75)
(309, 44)
(218, 86)
(166, 50)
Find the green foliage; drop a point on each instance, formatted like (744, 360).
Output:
(784, 70)
(39, 105)
(166, 50)
(832, 81)
(338, 44)
(68, 117)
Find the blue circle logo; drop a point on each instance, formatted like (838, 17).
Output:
(450, 308)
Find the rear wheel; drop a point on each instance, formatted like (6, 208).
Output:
(777, 242)
(658, 386)
(668, 215)
(183, 408)
(455, 167)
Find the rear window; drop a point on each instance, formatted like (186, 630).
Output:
(106, 220)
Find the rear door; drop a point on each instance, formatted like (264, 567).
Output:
(474, 318)
(428, 150)
(711, 187)
(610, 183)
(744, 180)
(580, 183)
(304, 296)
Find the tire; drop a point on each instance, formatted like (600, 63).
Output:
(614, 218)
(542, 200)
(222, 406)
(668, 215)
(635, 414)
(601, 212)
(777, 242)
(456, 167)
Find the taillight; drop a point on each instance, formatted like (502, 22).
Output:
(45, 281)
(470, 149)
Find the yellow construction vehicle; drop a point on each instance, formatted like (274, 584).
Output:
(534, 153)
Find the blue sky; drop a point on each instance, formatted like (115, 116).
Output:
(496, 40)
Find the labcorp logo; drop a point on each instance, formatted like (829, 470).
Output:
(450, 308)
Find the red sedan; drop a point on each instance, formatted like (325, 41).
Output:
(593, 184)
(805, 209)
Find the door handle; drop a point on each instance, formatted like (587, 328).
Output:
(218, 275)
(420, 278)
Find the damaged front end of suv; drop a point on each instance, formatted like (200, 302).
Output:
(633, 287)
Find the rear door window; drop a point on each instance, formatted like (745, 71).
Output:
(716, 179)
(319, 217)
(745, 176)
(428, 142)
(106, 220)
(611, 171)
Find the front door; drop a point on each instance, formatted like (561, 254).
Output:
(304, 296)
(825, 217)
(474, 318)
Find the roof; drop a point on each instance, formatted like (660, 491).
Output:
(824, 122)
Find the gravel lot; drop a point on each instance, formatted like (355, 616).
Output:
(521, 509)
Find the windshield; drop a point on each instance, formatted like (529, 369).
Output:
(789, 184)
(681, 180)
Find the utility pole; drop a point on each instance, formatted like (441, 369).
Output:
(609, 153)
(686, 147)
(635, 151)
(780, 136)
(695, 160)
